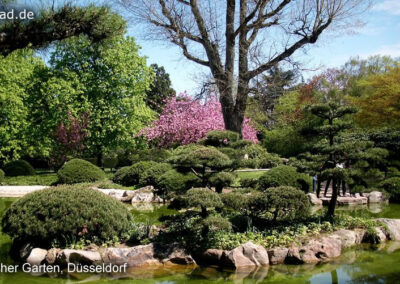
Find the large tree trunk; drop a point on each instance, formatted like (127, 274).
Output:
(332, 203)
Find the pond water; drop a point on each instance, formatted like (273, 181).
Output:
(364, 264)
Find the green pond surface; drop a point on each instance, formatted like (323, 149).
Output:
(364, 264)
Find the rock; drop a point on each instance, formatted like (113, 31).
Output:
(211, 256)
(51, 256)
(78, 257)
(144, 194)
(314, 199)
(393, 228)
(158, 199)
(348, 238)
(277, 255)
(375, 197)
(246, 255)
(134, 256)
(128, 195)
(179, 256)
(315, 251)
(37, 256)
(380, 235)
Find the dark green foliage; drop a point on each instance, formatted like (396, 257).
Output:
(222, 138)
(110, 161)
(284, 176)
(221, 180)
(152, 174)
(160, 89)
(217, 223)
(77, 171)
(130, 176)
(249, 182)
(2, 174)
(176, 181)
(241, 144)
(62, 215)
(57, 24)
(203, 198)
(282, 203)
(392, 186)
(91, 160)
(237, 201)
(153, 154)
(18, 168)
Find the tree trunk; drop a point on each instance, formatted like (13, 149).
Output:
(332, 203)
(99, 156)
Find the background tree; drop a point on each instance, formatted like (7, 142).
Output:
(16, 71)
(52, 24)
(215, 34)
(110, 81)
(160, 89)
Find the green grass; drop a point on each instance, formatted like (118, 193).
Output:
(38, 179)
(256, 174)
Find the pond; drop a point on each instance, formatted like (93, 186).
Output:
(364, 264)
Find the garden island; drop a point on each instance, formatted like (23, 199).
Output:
(265, 173)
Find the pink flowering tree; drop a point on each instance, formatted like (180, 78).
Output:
(185, 120)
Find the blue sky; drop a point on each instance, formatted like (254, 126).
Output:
(380, 35)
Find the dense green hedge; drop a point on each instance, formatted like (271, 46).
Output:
(78, 171)
(130, 176)
(65, 214)
(284, 176)
(392, 187)
(2, 174)
(18, 168)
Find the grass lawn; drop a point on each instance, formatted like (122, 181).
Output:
(255, 174)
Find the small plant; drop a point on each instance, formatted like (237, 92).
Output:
(18, 168)
(79, 171)
(221, 180)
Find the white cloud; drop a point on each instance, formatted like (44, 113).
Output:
(393, 50)
(389, 6)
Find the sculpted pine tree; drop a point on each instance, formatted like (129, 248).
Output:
(246, 33)
(57, 24)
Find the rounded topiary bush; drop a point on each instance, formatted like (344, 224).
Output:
(221, 137)
(62, 215)
(18, 168)
(77, 171)
(284, 176)
(1, 176)
(152, 174)
(130, 176)
(284, 203)
(176, 181)
(221, 180)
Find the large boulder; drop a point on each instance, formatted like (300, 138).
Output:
(393, 226)
(349, 238)
(314, 200)
(178, 256)
(375, 197)
(78, 257)
(211, 257)
(51, 256)
(134, 256)
(277, 255)
(37, 256)
(144, 194)
(315, 251)
(246, 255)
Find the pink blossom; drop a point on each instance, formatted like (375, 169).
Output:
(185, 120)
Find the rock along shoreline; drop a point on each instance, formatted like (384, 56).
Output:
(319, 249)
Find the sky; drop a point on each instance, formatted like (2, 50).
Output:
(379, 35)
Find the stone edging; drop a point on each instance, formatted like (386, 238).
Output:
(321, 249)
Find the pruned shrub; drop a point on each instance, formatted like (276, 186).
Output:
(392, 187)
(153, 154)
(217, 223)
(284, 203)
(219, 138)
(221, 180)
(78, 171)
(237, 201)
(203, 198)
(18, 168)
(2, 174)
(284, 176)
(152, 174)
(176, 181)
(130, 176)
(62, 215)
(249, 182)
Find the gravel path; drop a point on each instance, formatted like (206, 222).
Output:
(18, 190)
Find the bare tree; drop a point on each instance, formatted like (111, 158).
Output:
(252, 35)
